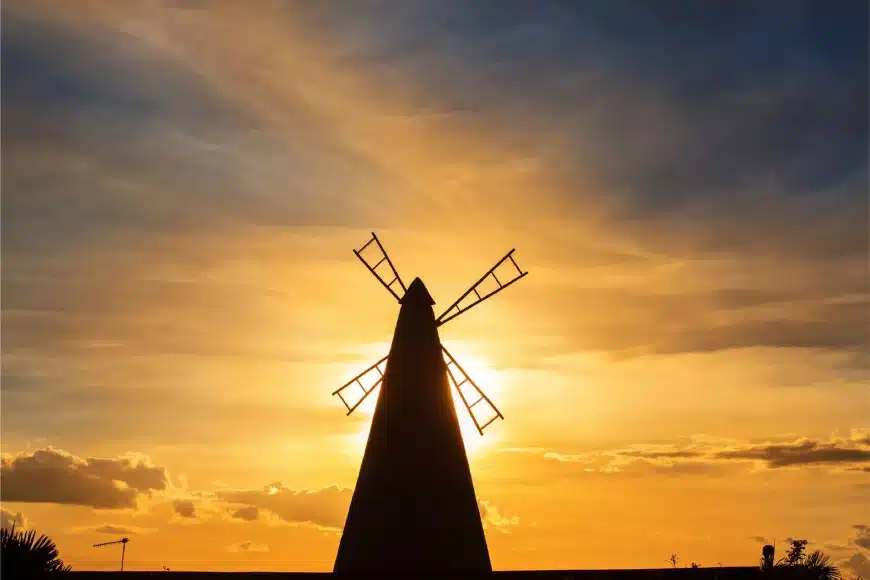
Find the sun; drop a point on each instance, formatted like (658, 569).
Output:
(487, 378)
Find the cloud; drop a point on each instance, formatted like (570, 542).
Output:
(247, 547)
(661, 454)
(635, 462)
(836, 548)
(493, 519)
(114, 530)
(7, 518)
(858, 563)
(184, 508)
(803, 452)
(248, 513)
(55, 476)
(154, 158)
(705, 456)
(325, 507)
(716, 214)
(820, 317)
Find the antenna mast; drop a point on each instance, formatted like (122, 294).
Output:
(123, 542)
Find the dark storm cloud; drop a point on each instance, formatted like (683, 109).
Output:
(55, 476)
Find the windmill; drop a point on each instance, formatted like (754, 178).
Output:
(123, 542)
(414, 506)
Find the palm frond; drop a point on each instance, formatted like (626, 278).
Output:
(23, 553)
(819, 567)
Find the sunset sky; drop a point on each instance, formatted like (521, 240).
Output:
(684, 370)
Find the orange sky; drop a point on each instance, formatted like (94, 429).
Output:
(681, 372)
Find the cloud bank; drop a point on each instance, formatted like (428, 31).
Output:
(55, 476)
(701, 455)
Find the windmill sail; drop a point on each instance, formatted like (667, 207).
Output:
(469, 391)
(367, 381)
(382, 258)
(461, 305)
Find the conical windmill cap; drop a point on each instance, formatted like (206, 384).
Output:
(417, 294)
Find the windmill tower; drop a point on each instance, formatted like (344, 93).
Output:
(414, 506)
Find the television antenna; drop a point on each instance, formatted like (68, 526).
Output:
(123, 542)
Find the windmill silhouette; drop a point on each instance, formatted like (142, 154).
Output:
(123, 542)
(414, 506)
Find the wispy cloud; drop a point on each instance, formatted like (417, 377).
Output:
(701, 456)
(802, 452)
(181, 186)
(247, 547)
(113, 530)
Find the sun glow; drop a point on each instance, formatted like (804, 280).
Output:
(481, 372)
(489, 381)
